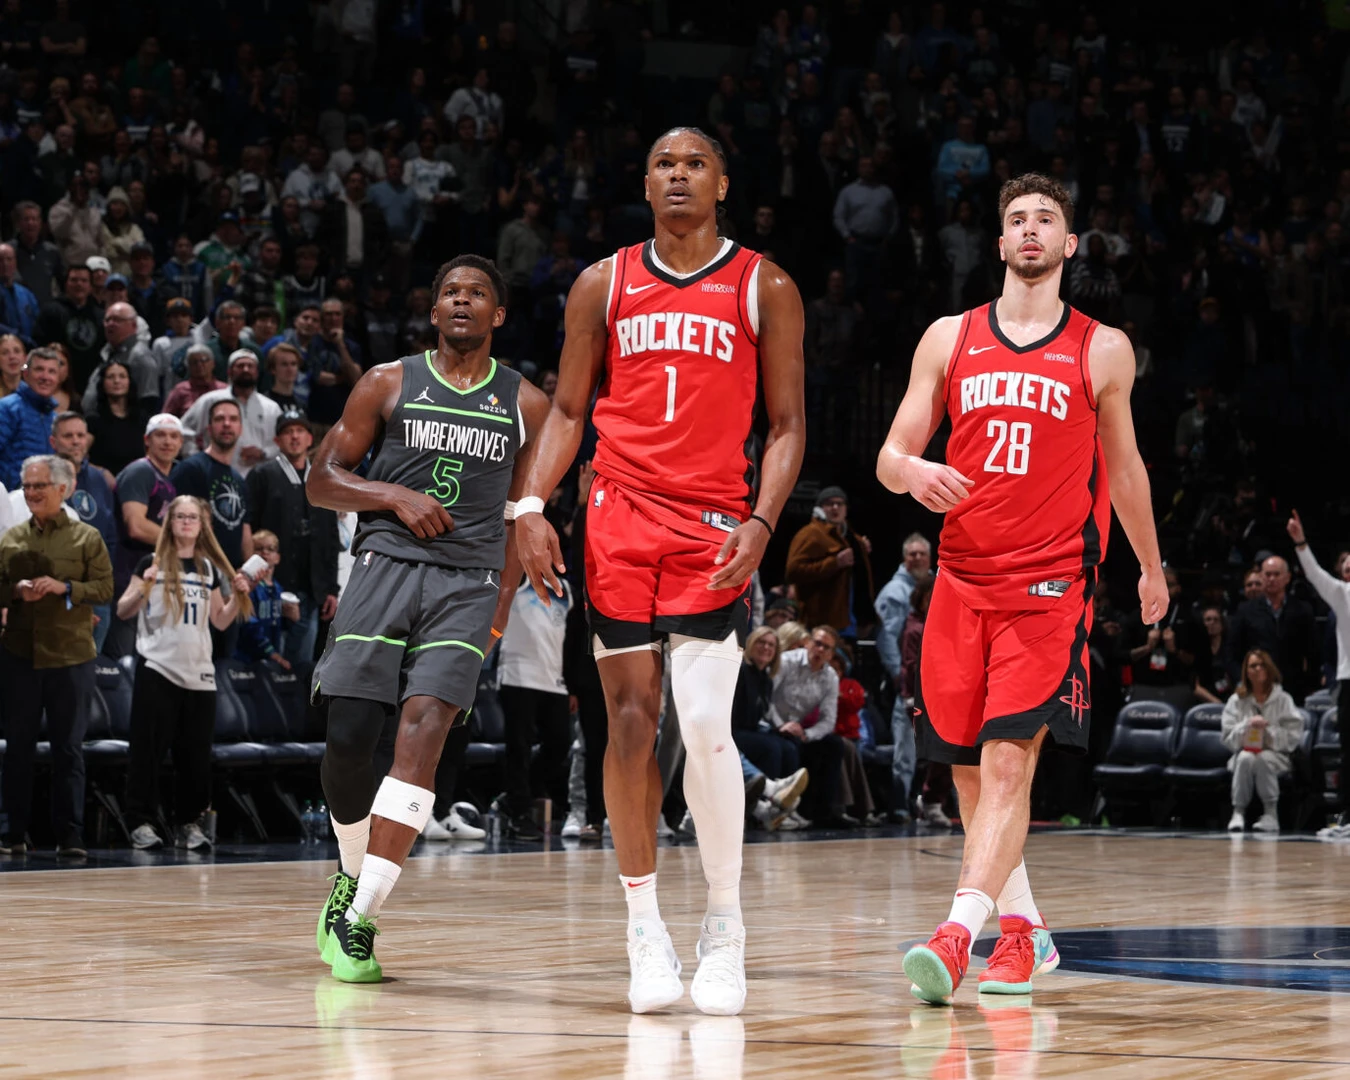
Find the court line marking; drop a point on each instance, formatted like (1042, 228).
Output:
(229, 1025)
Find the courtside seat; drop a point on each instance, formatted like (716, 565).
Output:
(1201, 759)
(1318, 702)
(487, 728)
(109, 731)
(286, 701)
(1141, 747)
(1326, 756)
(232, 745)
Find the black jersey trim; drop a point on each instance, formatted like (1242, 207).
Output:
(1038, 344)
(693, 279)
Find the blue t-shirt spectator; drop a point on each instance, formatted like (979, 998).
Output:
(222, 488)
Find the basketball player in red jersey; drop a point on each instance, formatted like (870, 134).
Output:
(1039, 398)
(677, 333)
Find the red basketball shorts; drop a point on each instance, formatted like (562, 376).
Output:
(648, 563)
(997, 674)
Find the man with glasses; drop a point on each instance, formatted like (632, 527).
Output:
(892, 608)
(831, 567)
(52, 570)
(806, 684)
(123, 347)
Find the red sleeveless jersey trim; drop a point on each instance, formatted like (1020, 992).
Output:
(676, 404)
(1024, 430)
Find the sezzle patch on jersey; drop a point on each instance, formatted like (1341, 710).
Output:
(675, 331)
(1015, 388)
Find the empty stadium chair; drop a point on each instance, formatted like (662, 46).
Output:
(1201, 759)
(107, 737)
(1318, 702)
(1142, 745)
(1326, 755)
(487, 728)
(283, 708)
(233, 745)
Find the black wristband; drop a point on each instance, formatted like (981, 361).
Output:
(756, 517)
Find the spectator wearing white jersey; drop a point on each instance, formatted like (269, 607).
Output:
(177, 595)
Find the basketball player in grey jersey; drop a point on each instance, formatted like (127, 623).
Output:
(429, 594)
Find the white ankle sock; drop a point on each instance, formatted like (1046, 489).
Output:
(971, 908)
(1016, 899)
(373, 887)
(640, 892)
(352, 840)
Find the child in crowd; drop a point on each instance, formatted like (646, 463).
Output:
(260, 637)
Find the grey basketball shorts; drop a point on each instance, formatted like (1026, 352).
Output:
(406, 629)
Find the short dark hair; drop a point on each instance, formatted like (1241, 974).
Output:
(65, 418)
(211, 412)
(1035, 184)
(700, 133)
(266, 311)
(473, 262)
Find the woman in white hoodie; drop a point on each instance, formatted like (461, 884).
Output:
(1261, 725)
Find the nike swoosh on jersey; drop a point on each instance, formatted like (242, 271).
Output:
(631, 289)
(972, 351)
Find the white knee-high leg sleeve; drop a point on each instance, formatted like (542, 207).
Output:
(703, 680)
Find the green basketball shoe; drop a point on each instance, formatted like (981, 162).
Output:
(339, 900)
(354, 951)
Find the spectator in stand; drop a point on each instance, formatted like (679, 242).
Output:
(1335, 593)
(26, 415)
(143, 290)
(76, 223)
(962, 164)
(315, 185)
(1262, 726)
(964, 246)
(752, 726)
(353, 230)
(307, 534)
(305, 287)
(1215, 669)
(260, 637)
(778, 611)
(201, 379)
(52, 570)
(521, 244)
(831, 568)
(184, 276)
(39, 261)
(398, 203)
(177, 595)
(866, 217)
(333, 364)
(261, 285)
(75, 320)
(534, 700)
(806, 684)
(210, 476)
(91, 499)
(1284, 627)
(473, 165)
(124, 348)
(1166, 656)
(117, 418)
(356, 154)
(119, 233)
(478, 102)
(289, 389)
(1253, 585)
(893, 610)
(18, 306)
(170, 348)
(13, 357)
(224, 253)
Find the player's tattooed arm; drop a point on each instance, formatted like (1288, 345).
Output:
(782, 371)
(333, 484)
(901, 466)
(534, 406)
(583, 359)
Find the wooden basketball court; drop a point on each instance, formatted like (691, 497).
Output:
(513, 965)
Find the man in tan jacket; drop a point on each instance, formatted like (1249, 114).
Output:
(831, 568)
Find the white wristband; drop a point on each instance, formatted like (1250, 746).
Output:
(531, 504)
(510, 513)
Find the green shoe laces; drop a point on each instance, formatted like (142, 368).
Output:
(343, 890)
(361, 938)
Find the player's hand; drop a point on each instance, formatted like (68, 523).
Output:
(424, 516)
(1153, 597)
(1295, 528)
(938, 487)
(748, 541)
(540, 555)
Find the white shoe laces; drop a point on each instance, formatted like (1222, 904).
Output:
(649, 959)
(722, 959)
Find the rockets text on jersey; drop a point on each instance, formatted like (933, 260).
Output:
(675, 407)
(1024, 430)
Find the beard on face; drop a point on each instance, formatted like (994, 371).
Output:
(244, 381)
(1030, 271)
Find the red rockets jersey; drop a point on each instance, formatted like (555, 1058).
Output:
(675, 406)
(1024, 430)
